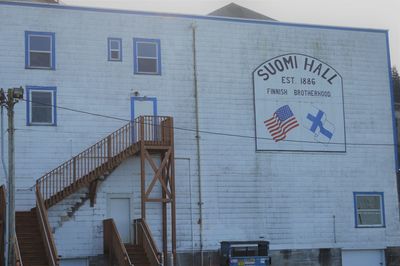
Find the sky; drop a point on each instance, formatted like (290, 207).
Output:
(382, 14)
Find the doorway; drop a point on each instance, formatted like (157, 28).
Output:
(119, 209)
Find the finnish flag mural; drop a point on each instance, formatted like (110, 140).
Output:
(298, 105)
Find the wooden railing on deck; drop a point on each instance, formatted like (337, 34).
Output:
(144, 238)
(45, 230)
(113, 245)
(18, 260)
(100, 157)
(2, 222)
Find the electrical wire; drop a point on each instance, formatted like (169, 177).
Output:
(202, 131)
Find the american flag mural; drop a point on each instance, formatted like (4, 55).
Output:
(281, 122)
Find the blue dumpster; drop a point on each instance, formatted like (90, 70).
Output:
(245, 253)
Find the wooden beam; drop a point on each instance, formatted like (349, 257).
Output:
(92, 192)
(164, 214)
(155, 169)
(157, 200)
(158, 173)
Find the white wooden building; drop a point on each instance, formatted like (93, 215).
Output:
(282, 132)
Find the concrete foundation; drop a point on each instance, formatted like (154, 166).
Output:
(310, 257)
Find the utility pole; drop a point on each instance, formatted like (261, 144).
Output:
(9, 100)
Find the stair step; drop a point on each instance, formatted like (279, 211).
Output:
(137, 255)
(30, 239)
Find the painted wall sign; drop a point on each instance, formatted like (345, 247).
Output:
(298, 105)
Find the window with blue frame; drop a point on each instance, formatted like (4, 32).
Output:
(114, 49)
(40, 50)
(369, 209)
(41, 102)
(147, 56)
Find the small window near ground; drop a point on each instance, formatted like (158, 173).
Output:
(369, 209)
(114, 49)
(39, 50)
(147, 56)
(41, 103)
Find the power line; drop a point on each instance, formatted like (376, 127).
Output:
(202, 131)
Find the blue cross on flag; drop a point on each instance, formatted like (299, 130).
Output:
(322, 128)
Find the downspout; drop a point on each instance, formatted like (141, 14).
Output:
(6, 179)
(196, 97)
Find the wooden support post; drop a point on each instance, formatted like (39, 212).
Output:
(172, 187)
(164, 213)
(142, 166)
(109, 151)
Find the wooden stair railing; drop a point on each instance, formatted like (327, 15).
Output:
(144, 238)
(45, 230)
(18, 260)
(113, 245)
(104, 156)
(2, 223)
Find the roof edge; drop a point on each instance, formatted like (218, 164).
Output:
(177, 15)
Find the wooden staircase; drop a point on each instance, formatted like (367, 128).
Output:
(144, 136)
(137, 254)
(29, 239)
(102, 158)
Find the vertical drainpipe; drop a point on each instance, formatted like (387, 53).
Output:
(196, 97)
(6, 179)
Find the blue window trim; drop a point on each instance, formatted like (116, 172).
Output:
(29, 89)
(53, 49)
(135, 54)
(139, 98)
(109, 49)
(355, 194)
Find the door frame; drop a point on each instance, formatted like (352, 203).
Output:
(142, 98)
(131, 216)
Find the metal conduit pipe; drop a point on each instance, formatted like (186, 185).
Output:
(196, 97)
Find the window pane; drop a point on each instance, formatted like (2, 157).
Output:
(368, 202)
(41, 115)
(40, 59)
(114, 45)
(40, 43)
(41, 99)
(369, 218)
(147, 65)
(147, 49)
(114, 55)
(41, 107)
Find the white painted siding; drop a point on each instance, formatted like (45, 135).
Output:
(287, 197)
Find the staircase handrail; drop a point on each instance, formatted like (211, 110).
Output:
(3, 216)
(45, 229)
(18, 259)
(96, 159)
(113, 245)
(144, 238)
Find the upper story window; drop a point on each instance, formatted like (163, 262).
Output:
(39, 50)
(40, 107)
(147, 56)
(369, 209)
(114, 49)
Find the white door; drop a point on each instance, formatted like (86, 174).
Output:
(143, 106)
(119, 210)
(372, 257)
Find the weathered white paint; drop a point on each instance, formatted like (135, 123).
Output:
(289, 198)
